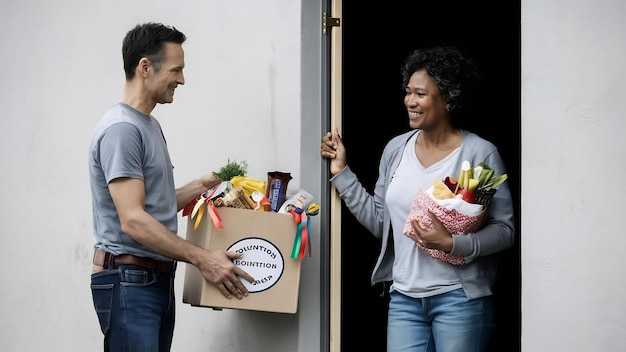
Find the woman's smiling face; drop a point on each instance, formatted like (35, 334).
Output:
(424, 103)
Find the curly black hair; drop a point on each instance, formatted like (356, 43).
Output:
(454, 73)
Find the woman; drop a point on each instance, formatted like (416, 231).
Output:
(434, 306)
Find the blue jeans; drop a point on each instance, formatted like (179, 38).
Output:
(448, 322)
(135, 308)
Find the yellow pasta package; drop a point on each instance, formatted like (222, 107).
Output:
(248, 184)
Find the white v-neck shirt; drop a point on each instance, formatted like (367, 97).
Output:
(416, 273)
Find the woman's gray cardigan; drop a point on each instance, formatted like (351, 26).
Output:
(478, 274)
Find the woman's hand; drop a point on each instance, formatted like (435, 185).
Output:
(332, 148)
(437, 237)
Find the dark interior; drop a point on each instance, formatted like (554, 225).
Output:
(376, 39)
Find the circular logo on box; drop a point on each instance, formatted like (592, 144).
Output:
(261, 259)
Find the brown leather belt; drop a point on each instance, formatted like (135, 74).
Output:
(103, 259)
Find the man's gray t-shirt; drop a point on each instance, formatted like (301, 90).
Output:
(128, 143)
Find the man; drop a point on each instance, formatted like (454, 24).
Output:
(135, 204)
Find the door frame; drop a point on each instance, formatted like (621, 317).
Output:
(332, 69)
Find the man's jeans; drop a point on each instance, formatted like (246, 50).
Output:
(135, 307)
(447, 322)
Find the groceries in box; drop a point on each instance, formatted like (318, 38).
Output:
(257, 195)
(257, 219)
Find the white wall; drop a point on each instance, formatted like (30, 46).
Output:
(573, 143)
(61, 68)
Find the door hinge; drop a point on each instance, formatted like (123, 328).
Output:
(328, 22)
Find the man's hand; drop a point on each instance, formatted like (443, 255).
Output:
(217, 267)
(210, 181)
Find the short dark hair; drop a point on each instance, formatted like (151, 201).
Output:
(148, 40)
(454, 73)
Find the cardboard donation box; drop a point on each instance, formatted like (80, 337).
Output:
(265, 239)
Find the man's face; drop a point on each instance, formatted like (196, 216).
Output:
(162, 83)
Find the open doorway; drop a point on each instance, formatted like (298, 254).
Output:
(376, 39)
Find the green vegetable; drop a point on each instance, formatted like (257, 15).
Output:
(232, 169)
(487, 179)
